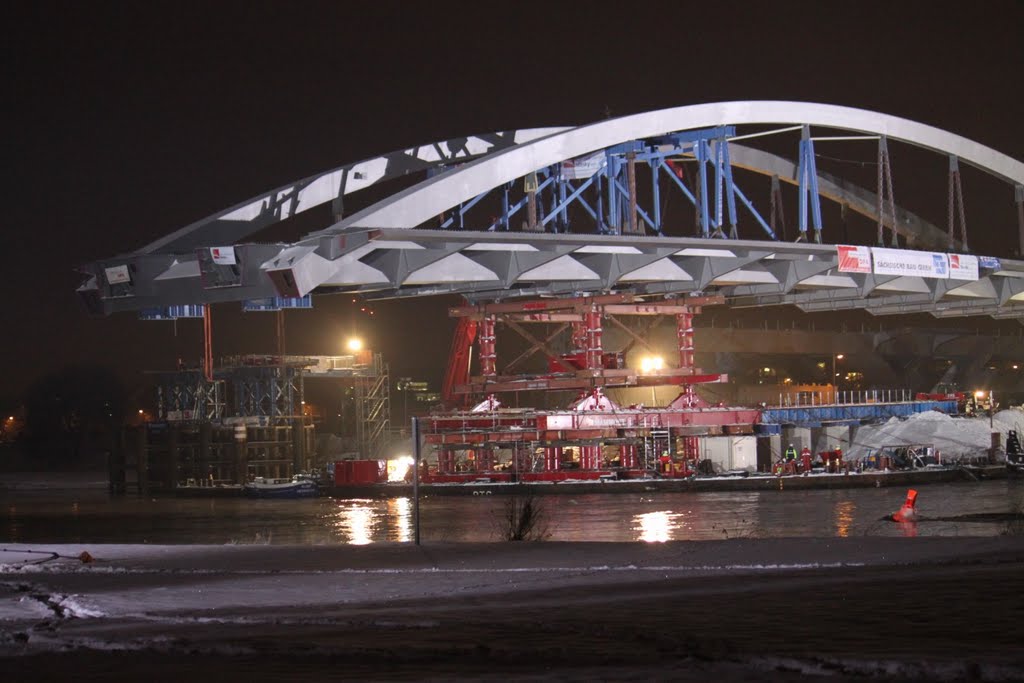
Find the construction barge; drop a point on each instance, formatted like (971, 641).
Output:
(609, 484)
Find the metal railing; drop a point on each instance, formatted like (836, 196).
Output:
(857, 397)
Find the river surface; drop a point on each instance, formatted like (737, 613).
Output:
(41, 509)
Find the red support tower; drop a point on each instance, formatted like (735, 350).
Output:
(627, 456)
(684, 333)
(488, 355)
(592, 321)
(552, 458)
(458, 360)
(484, 460)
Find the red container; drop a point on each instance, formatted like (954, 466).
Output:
(360, 471)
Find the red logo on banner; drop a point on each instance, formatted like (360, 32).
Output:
(854, 259)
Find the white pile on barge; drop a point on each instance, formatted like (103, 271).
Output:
(955, 437)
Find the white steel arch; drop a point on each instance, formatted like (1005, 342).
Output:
(432, 197)
(241, 220)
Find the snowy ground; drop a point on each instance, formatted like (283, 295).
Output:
(740, 610)
(955, 437)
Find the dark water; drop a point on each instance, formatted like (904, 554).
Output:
(40, 513)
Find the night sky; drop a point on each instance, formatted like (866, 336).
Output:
(127, 121)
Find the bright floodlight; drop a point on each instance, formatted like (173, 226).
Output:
(354, 344)
(839, 356)
(651, 363)
(979, 394)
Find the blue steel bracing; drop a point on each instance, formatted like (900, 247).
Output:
(463, 208)
(682, 186)
(576, 195)
(503, 221)
(838, 413)
(613, 199)
(754, 212)
(564, 216)
(518, 205)
(808, 184)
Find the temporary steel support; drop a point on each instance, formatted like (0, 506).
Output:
(373, 409)
(576, 195)
(725, 191)
(808, 185)
(703, 154)
(505, 220)
(207, 343)
(956, 205)
(631, 187)
(618, 209)
(655, 167)
(612, 166)
(885, 194)
(185, 395)
(269, 391)
(562, 210)
(1018, 193)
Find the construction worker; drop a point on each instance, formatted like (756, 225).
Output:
(790, 455)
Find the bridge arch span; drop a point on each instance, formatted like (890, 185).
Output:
(420, 203)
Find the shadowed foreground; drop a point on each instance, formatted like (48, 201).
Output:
(740, 610)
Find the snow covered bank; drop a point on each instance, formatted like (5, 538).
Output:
(738, 610)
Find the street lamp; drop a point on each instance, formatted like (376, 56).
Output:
(835, 382)
(354, 344)
(649, 364)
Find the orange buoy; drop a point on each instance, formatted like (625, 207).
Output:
(907, 513)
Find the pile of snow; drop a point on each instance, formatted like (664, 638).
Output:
(955, 437)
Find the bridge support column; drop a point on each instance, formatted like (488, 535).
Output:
(1019, 195)
(631, 185)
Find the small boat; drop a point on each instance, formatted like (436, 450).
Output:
(296, 487)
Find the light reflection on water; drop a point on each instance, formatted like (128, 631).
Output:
(66, 516)
(844, 517)
(655, 527)
(359, 521)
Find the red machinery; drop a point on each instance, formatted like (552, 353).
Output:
(592, 438)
